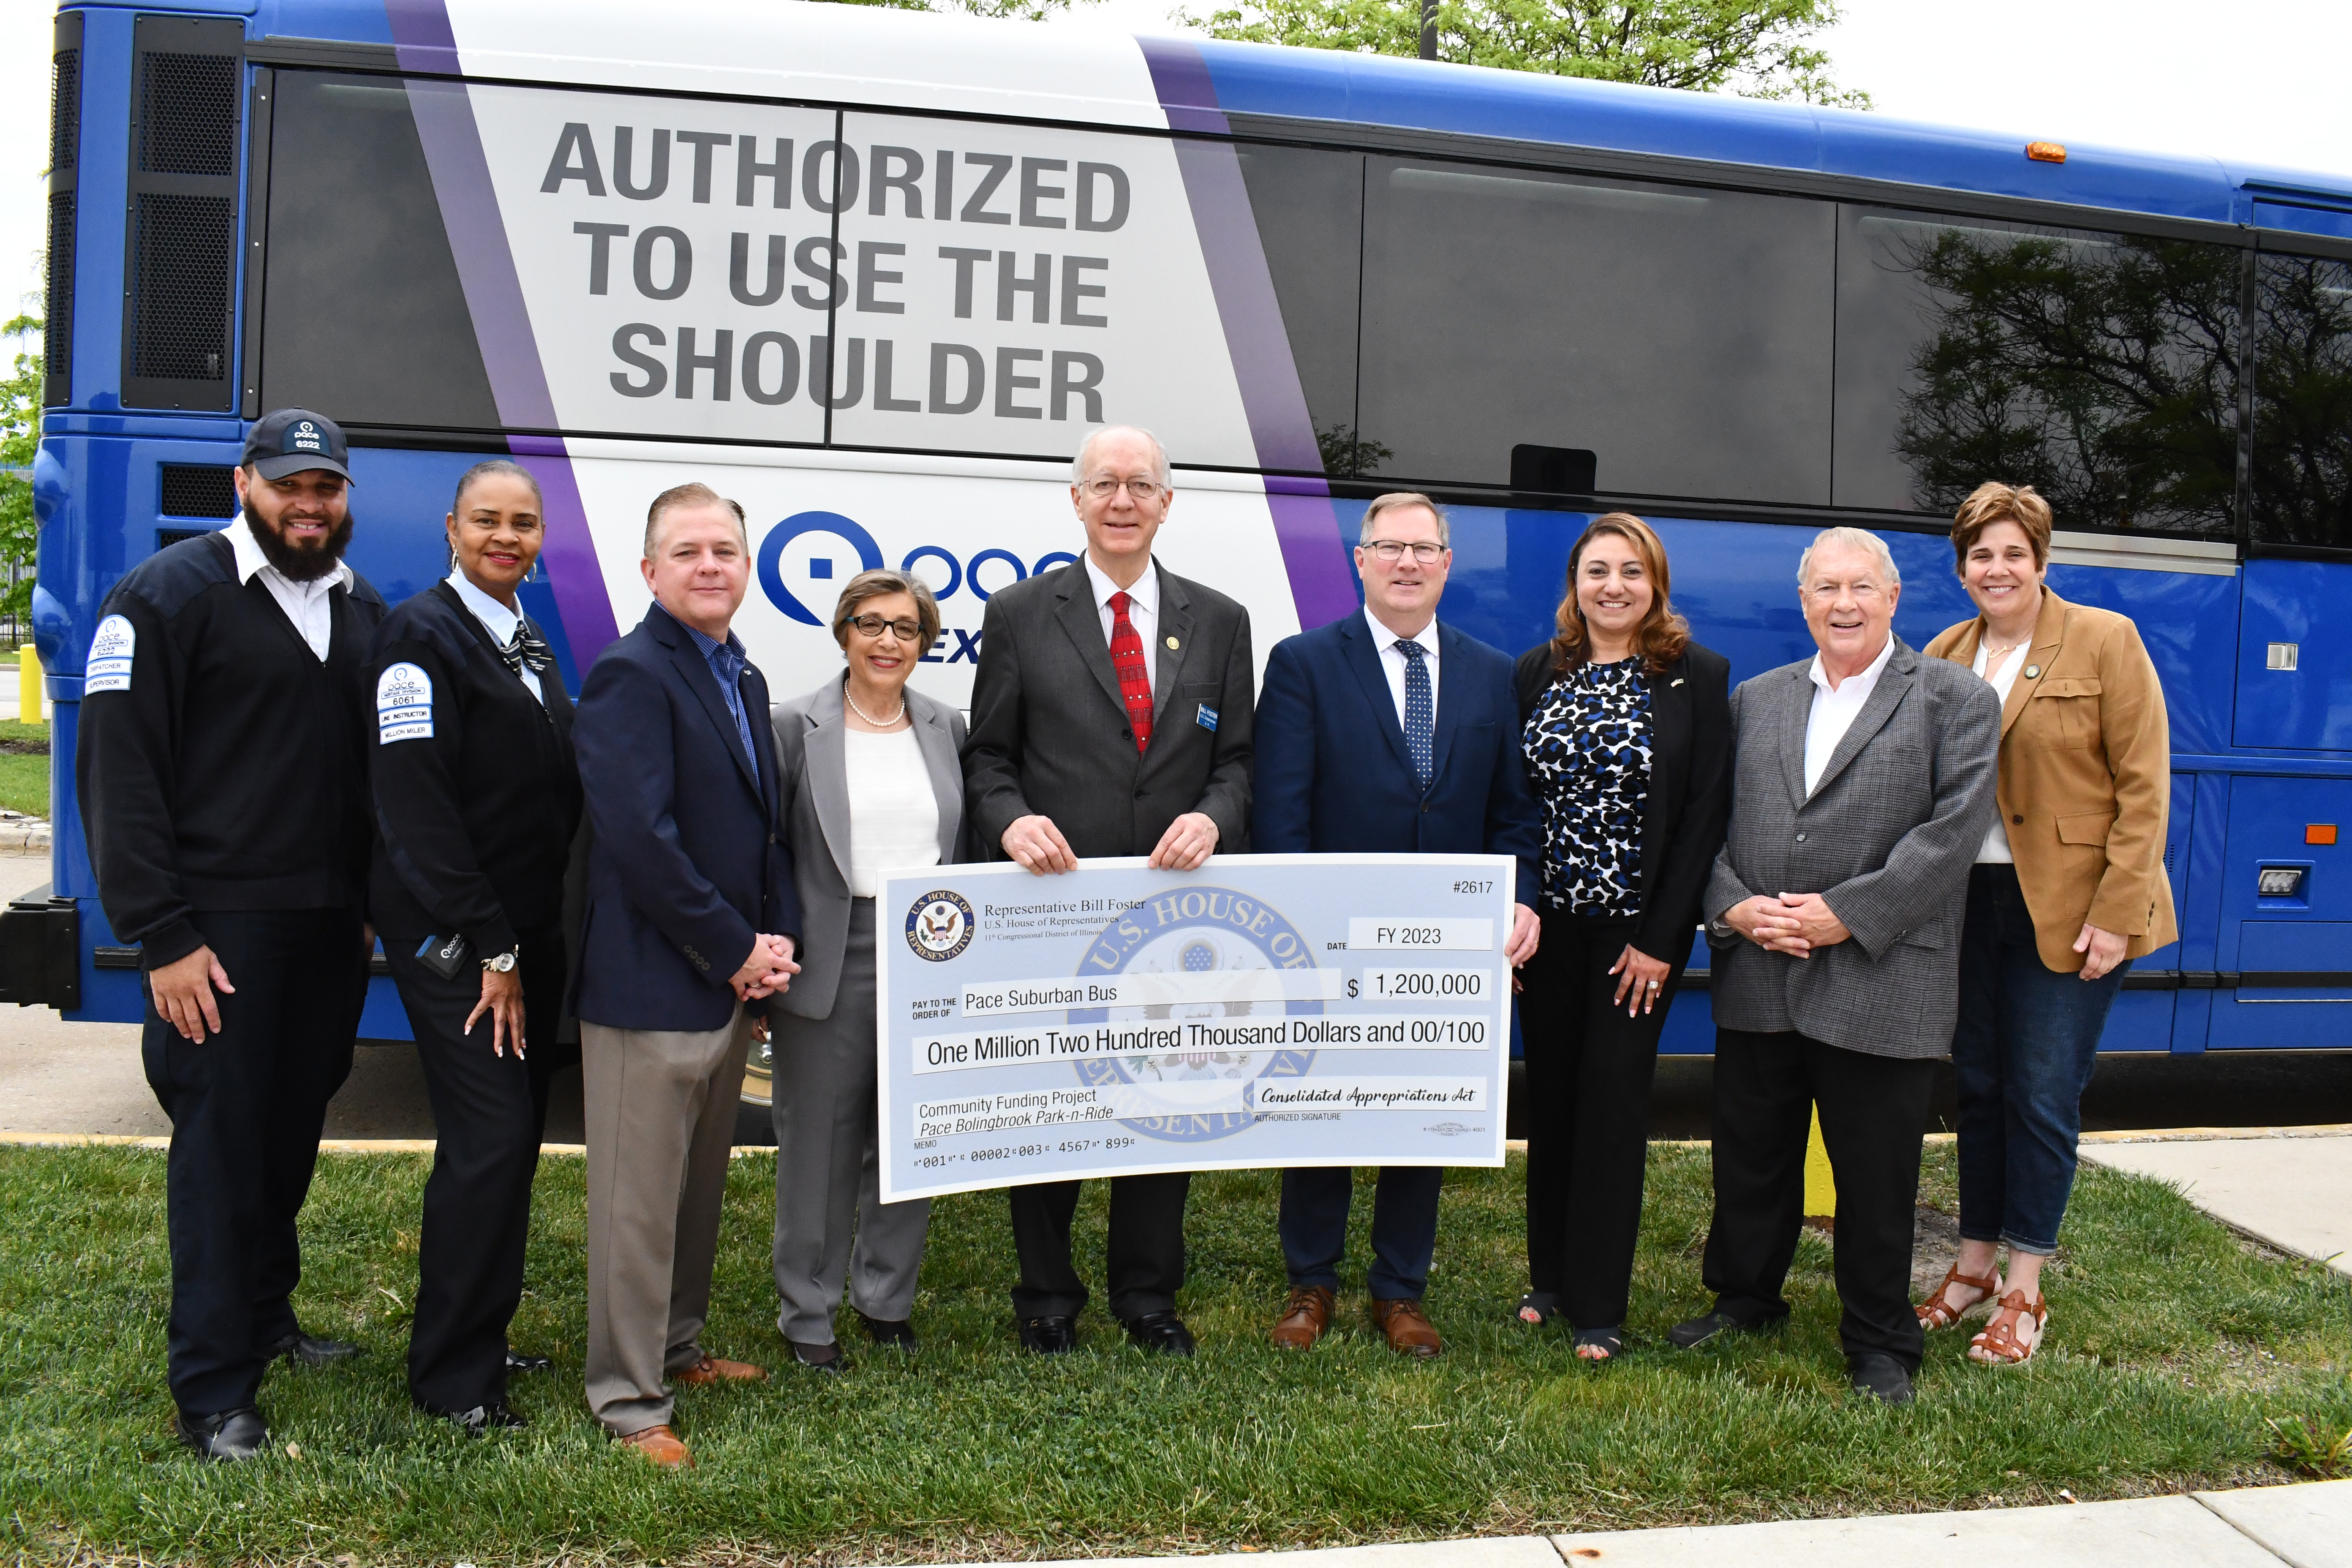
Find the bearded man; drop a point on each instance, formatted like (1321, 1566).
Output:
(222, 776)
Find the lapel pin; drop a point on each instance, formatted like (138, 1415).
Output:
(1172, 643)
(2032, 672)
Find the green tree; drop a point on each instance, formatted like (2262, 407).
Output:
(1016, 10)
(20, 438)
(1757, 48)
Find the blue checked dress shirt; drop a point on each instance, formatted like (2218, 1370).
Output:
(727, 662)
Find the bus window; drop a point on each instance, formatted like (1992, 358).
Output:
(2303, 403)
(1682, 335)
(1309, 206)
(363, 316)
(2101, 369)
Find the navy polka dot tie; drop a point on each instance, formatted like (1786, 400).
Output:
(1419, 712)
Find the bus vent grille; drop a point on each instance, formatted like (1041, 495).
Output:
(167, 537)
(187, 113)
(184, 243)
(65, 109)
(198, 490)
(57, 335)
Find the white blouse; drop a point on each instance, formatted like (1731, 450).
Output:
(1995, 850)
(893, 818)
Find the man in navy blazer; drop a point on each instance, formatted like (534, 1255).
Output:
(1388, 732)
(690, 925)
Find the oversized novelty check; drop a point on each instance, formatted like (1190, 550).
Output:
(1264, 1010)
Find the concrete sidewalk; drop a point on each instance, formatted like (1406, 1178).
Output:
(2307, 1526)
(2292, 1188)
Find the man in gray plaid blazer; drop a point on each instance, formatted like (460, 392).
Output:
(1864, 786)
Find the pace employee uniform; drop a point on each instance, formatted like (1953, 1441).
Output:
(476, 800)
(1112, 756)
(222, 770)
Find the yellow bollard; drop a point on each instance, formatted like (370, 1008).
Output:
(1820, 1188)
(28, 685)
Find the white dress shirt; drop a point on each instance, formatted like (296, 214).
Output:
(305, 603)
(1834, 711)
(1996, 850)
(497, 620)
(894, 817)
(1393, 661)
(1142, 614)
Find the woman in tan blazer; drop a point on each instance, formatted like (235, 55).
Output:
(2068, 889)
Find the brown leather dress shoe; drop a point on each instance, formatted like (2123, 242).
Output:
(710, 1369)
(1304, 1317)
(1409, 1329)
(660, 1445)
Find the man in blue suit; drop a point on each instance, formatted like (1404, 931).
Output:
(691, 924)
(1388, 732)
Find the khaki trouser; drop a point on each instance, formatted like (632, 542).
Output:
(661, 1122)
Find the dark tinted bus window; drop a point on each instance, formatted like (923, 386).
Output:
(2303, 403)
(1681, 335)
(2101, 369)
(1309, 207)
(363, 315)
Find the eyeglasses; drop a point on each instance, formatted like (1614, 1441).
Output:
(1392, 550)
(872, 627)
(1104, 488)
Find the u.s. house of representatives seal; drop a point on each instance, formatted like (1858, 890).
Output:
(939, 925)
(1183, 1047)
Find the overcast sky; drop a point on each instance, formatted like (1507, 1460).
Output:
(2257, 80)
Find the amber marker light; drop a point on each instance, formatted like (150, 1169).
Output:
(2319, 833)
(2046, 151)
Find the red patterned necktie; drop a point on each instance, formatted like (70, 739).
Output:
(1134, 675)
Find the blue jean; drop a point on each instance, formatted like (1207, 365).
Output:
(2024, 1050)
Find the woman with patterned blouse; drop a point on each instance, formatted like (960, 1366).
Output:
(1625, 724)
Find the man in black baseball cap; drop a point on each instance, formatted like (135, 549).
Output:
(221, 773)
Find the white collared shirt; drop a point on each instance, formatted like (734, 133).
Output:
(1834, 711)
(1995, 850)
(1143, 612)
(497, 620)
(305, 603)
(1393, 661)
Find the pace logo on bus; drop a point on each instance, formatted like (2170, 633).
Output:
(806, 559)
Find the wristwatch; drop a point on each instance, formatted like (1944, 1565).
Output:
(501, 963)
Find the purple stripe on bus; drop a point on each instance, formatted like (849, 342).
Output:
(478, 240)
(1180, 77)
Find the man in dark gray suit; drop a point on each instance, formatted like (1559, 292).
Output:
(1110, 715)
(1863, 787)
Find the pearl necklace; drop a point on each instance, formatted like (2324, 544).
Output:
(879, 723)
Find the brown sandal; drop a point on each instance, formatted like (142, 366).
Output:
(1935, 1312)
(2015, 1333)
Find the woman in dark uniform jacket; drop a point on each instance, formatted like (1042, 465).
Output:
(1625, 727)
(476, 801)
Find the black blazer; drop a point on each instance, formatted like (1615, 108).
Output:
(1049, 730)
(687, 863)
(1690, 787)
(475, 818)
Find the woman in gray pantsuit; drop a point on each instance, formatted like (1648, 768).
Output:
(870, 783)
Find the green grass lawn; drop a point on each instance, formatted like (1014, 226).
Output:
(2171, 1342)
(25, 776)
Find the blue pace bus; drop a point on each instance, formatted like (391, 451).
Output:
(876, 273)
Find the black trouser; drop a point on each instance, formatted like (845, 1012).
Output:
(246, 1106)
(1146, 1261)
(1589, 1072)
(487, 1114)
(1873, 1110)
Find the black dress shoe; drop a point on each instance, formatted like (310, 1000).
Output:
(484, 1419)
(1049, 1335)
(1698, 1331)
(826, 1358)
(890, 1333)
(232, 1434)
(522, 1364)
(1881, 1377)
(1160, 1331)
(303, 1350)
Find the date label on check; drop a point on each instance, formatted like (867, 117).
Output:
(1398, 933)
